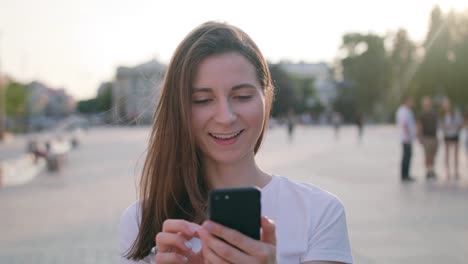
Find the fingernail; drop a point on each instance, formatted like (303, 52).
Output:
(188, 244)
(184, 259)
(192, 230)
(208, 225)
(268, 219)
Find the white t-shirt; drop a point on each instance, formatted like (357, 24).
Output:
(310, 223)
(404, 116)
(453, 123)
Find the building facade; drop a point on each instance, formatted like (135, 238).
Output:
(135, 93)
(324, 82)
(45, 106)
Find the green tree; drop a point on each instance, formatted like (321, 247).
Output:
(432, 76)
(104, 99)
(87, 106)
(16, 95)
(443, 68)
(285, 96)
(402, 67)
(304, 91)
(365, 69)
(458, 57)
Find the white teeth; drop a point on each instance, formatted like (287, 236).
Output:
(226, 136)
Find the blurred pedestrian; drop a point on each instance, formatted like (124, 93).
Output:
(465, 117)
(336, 121)
(427, 135)
(360, 125)
(291, 122)
(452, 124)
(407, 127)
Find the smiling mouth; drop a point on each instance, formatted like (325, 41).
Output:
(226, 136)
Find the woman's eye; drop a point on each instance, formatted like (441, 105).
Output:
(201, 101)
(244, 97)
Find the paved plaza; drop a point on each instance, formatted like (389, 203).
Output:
(72, 216)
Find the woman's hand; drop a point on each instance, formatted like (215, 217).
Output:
(237, 247)
(173, 244)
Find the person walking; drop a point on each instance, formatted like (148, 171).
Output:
(407, 127)
(336, 120)
(360, 125)
(291, 121)
(427, 135)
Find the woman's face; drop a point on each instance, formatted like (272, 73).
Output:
(228, 108)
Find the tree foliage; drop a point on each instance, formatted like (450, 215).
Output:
(104, 100)
(293, 92)
(285, 96)
(402, 61)
(365, 68)
(16, 95)
(87, 106)
(376, 76)
(442, 71)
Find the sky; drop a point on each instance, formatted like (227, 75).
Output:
(77, 44)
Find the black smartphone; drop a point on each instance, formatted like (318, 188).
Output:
(237, 208)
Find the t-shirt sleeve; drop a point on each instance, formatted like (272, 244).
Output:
(329, 241)
(128, 231)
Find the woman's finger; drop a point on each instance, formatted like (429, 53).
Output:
(167, 241)
(209, 256)
(170, 257)
(268, 231)
(261, 250)
(216, 249)
(180, 226)
(233, 237)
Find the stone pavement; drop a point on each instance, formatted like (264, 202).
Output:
(72, 216)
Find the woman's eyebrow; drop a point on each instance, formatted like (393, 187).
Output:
(234, 88)
(202, 89)
(244, 85)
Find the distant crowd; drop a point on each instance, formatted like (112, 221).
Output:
(427, 128)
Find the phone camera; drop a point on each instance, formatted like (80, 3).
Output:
(226, 197)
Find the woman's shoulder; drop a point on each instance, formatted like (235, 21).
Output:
(131, 212)
(307, 192)
(130, 220)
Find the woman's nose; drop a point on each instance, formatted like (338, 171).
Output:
(225, 113)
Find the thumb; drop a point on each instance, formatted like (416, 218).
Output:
(268, 230)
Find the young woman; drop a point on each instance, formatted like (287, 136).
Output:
(211, 118)
(451, 126)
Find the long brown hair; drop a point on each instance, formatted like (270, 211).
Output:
(172, 185)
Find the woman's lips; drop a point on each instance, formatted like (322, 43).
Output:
(226, 139)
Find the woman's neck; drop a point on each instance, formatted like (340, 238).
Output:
(231, 175)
